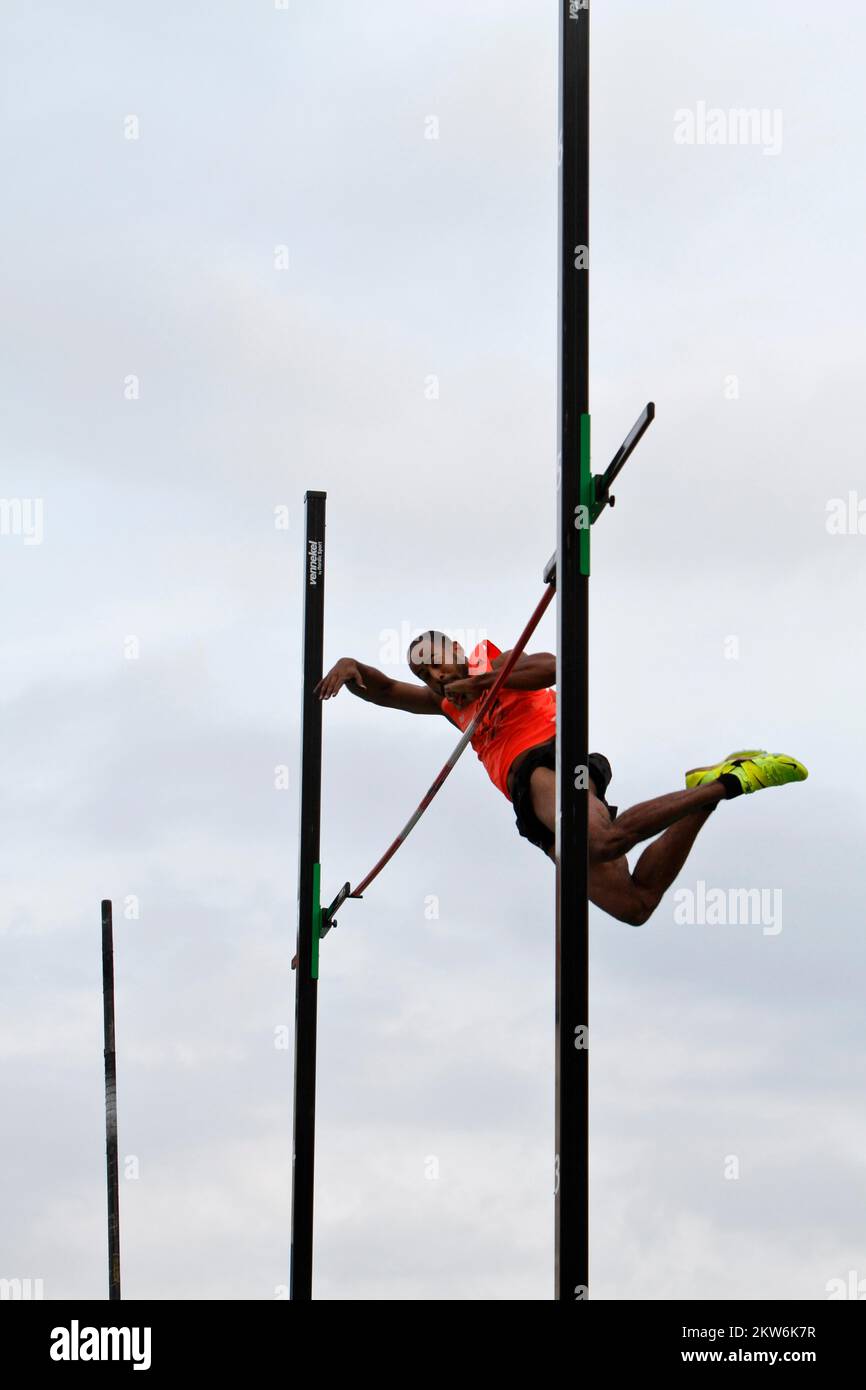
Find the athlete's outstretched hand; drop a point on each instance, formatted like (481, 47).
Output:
(345, 672)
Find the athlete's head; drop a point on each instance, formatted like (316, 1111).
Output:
(437, 660)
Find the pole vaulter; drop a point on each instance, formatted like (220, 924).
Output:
(533, 743)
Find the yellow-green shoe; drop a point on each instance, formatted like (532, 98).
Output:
(700, 775)
(754, 770)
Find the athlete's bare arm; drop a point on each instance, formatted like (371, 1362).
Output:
(536, 672)
(377, 688)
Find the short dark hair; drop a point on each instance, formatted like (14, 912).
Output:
(434, 646)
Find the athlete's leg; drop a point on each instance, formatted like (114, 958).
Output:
(631, 897)
(648, 818)
(680, 815)
(610, 840)
(634, 896)
(662, 861)
(612, 888)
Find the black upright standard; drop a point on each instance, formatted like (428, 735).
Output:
(110, 1103)
(572, 742)
(309, 911)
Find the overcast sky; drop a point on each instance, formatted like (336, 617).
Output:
(236, 267)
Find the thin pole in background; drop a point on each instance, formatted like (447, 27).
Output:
(110, 1103)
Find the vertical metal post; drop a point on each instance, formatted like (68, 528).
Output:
(309, 908)
(110, 1103)
(572, 743)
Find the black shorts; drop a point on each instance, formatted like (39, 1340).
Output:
(544, 755)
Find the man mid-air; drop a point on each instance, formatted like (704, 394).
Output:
(516, 742)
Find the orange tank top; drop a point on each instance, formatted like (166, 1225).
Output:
(519, 719)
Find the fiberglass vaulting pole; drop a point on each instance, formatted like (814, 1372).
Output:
(309, 908)
(110, 1059)
(572, 741)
